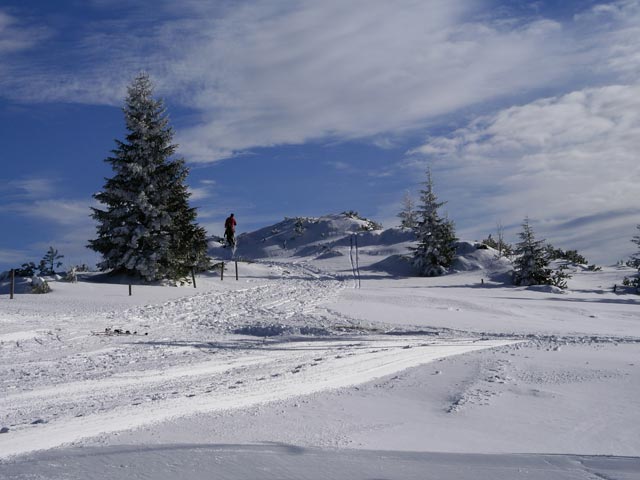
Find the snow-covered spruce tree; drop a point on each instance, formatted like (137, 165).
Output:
(408, 219)
(435, 251)
(531, 266)
(146, 227)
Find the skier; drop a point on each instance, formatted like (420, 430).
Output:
(230, 230)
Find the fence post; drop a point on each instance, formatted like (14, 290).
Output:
(193, 276)
(13, 284)
(236, 270)
(222, 272)
(357, 262)
(129, 289)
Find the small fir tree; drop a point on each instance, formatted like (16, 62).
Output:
(147, 227)
(531, 267)
(50, 262)
(408, 215)
(435, 234)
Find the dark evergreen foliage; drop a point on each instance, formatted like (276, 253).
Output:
(146, 227)
(571, 256)
(50, 262)
(435, 251)
(531, 267)
(28, 269)
(635, 258)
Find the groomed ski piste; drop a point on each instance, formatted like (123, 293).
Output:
(309, 366)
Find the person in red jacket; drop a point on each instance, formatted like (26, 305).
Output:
(230, 230)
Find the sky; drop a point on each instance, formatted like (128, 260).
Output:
(304, 108)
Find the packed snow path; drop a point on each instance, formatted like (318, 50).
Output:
(240, 374)
(71, 382)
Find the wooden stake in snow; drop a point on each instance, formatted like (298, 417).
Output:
(129, 289)
(358, 263)
(193, 276)
(222, 272)
(355, 266)
(236, 270)
(13, 284)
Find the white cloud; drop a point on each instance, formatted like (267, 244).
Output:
(199, 193)
(15, 37)
(556, 160)
(268, 73)
(58, 211)
(611, 35)
(28, 188)
(292, 72)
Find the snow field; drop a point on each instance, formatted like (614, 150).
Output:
(73, 381)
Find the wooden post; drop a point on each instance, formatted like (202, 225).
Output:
(13, 284)
(236, 270)
(129, 289)
(353, 265)
(222, 272)
(193, 276)
(357, 262)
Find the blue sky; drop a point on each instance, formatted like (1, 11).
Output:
(304, 108)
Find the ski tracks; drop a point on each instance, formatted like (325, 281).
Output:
(63, 387)
(239, 378)
(288, 299)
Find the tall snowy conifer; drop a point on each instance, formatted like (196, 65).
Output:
(147, 227)
(531, 267)
(436, 235)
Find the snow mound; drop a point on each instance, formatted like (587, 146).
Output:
(23, 285)
(472, 256)
(398, 265)
(546, 289)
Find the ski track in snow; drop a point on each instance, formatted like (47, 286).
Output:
(66, 384)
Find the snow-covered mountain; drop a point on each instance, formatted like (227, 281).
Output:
(340, 242)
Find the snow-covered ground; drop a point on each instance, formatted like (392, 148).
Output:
(294, 372)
